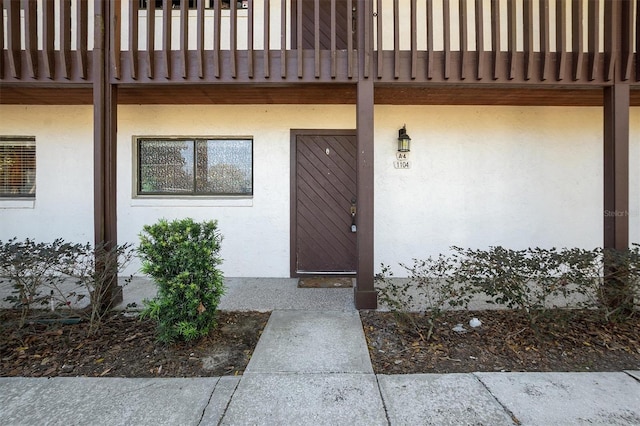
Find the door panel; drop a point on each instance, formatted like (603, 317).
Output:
(324, 189)
(343, 27)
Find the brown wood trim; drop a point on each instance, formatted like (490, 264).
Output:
(316, 39)
(293, 212)
(616, 167)
(334, 26)
(299, 36)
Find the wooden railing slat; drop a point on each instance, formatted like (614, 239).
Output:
(527, 17)
(577, 22)
(283, 38)
(184, 37)
(217, 16)
(151, 38)
(266, 39)
(299, 38)
(380, 61)
(594, 37)
(116, 30)
(350, 39)
(429, 39)
(233, 29)
(82, 16)
(463, 30)
(30, 35)
(316, 38)
(396, 39)
(200, 37)
(250, 24)
(334, 65)
(512, 38)
(13, 37)
(166, 36)
(544, 40)
(610, 37)
(627, 39)
(65, 37)
(446, 26)
(561, 38)
(637, 40)
(495, 37)
(479, 40)
(134, 7)
(414, 40)
(2, 41)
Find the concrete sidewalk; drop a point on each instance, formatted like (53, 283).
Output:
(313, 368)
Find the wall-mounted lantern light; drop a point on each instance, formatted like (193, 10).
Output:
(404, 141)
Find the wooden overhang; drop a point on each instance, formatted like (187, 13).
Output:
(360, 52)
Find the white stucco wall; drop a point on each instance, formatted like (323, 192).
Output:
(480, 176)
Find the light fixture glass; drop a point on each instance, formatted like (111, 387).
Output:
(404, 141)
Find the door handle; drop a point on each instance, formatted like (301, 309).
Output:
(353, 211)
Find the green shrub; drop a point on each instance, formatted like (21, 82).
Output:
(182, 257)
(57, 274)
(429, 287)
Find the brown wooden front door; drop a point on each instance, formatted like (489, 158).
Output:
(323, 191)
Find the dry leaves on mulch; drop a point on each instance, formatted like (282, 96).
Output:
(563, 341)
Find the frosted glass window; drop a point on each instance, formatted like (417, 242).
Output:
(195, 166)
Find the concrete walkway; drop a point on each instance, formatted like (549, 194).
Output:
(312, 367)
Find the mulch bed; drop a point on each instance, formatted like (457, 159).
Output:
(126, 346)
(562, 341)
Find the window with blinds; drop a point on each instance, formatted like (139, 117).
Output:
(17, 167)
(194, 166)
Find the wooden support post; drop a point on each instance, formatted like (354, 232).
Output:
(365, 295)
(105, 101)
(616, 295)
(616, 166)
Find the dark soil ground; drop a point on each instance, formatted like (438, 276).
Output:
(126, 346)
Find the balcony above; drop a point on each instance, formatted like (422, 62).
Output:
(198, 45)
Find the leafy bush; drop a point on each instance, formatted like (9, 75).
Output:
(429, 286)
(182, 257)
(520, 279)
(58, 273)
